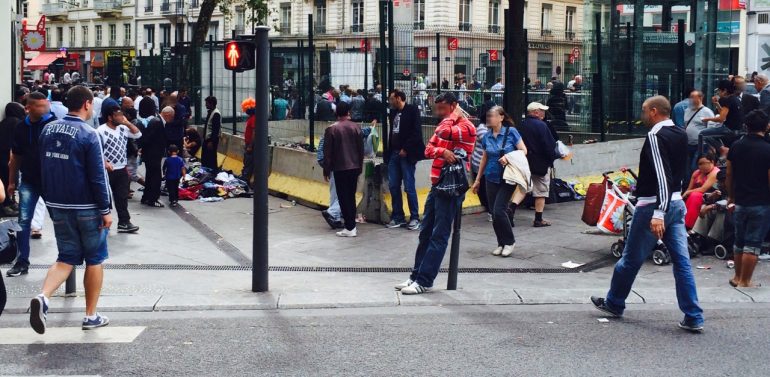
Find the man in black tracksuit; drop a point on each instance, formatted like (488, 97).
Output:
(659, 215)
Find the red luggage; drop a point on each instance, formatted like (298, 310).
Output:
(593, 203)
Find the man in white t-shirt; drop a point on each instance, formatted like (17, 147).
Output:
(694, 124)
(114, 135)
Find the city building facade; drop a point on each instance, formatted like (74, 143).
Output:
(757, 51)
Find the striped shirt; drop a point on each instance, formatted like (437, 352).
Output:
(478, 150)
(454, 132)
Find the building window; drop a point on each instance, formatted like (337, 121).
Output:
(320, 16)
(544, 66)
(72, 36)
(570, 20)
(419, 14)
(60, 37)
(494, 16)
(113, 34)
(240, 20)
(127, 34)
(98, 35)
(85, 42)
(25, 9)
(148, 6)
(358, 16)
(149, 36)
(465, 15)
(545, 19)
(48, 37)
(165, 35)
(214, 29)
(286, 18)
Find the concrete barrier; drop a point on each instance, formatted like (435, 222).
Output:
(593, 159)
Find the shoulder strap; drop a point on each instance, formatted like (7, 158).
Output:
(693, 117)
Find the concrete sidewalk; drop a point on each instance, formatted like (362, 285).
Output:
(198, 258)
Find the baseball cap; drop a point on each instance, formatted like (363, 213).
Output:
(536, 106)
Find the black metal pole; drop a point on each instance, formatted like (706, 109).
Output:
(630, 74)
(454, 253)
(439, 81)
(311, 79)
(211, 65)
(71, 285)
(300, 79)
(526, 74)
(598, 86)
(235, 101)
(259, 273)
(366, 64)
(383, 71)
(391, 52)
(680, 57)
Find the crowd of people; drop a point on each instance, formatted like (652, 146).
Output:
(73, 152)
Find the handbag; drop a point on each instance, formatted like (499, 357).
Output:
(453, 181)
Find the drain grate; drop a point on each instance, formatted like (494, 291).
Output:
(467, 270)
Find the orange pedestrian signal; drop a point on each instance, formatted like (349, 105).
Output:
(240, 56)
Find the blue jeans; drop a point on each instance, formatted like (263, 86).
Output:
(640, 243)
(751, 226)
(334, 203)
(436, 227)
(28, 197)
(399, 168)
(79, 236)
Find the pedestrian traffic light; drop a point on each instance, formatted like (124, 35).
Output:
(240, 56)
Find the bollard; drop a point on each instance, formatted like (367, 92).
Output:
(259, 272)
(454, 254)
(71, 285)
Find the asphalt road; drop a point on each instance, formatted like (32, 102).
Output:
(560, 340)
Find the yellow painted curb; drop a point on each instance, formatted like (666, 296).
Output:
(304, 189)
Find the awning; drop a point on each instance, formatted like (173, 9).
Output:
(42, 61)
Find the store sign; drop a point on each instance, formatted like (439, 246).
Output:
(655, 37)
(422, 53)
(34, 40)
(365, 45)
(453, 44)
(494, 55)
(97, 59)
(538, 46)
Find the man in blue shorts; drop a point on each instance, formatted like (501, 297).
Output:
(77, 193)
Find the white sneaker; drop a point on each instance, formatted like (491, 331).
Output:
(764, 257)
(490, 218)
(496, 252)
(508, 250)
(348, 233)
(414, 289)
(405, 284)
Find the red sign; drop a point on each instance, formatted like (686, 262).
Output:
(365, 46)
(576, 53)
(494, 55)
(422, 53)
(453, 44)
(407, 72)
(34, 40)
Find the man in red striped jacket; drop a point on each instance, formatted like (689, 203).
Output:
(455, 132)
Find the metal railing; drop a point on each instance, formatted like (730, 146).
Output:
(56, 9)
(108, 6)
(172, 8)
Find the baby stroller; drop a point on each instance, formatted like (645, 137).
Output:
(718, 230)
(660, 255)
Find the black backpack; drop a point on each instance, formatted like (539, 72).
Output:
(8, 248)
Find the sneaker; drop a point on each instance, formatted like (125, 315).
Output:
(8, 211)
(508, 250)
(17, 270)
(497, 251)
(35, 234)
(490, 218)
(405, 284)
(38, 312)
(695, 328)
(348, 233)
(395, 224)
(600, 304)
(414, 289)
(99, 321)
(127, 228)
(339, 224)
(414, 224)
(764, 257)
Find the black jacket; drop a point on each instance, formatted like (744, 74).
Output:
(662, 164)
(541, 145)
(749, 103)
(153, 140)
(410, 134)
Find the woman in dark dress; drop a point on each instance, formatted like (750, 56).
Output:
(214, 126)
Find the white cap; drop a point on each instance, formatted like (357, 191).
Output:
(536, 106)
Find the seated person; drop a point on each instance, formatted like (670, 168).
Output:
(714, 221)
(702, 181)
(192, 142)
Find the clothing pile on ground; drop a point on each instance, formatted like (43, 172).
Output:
(205, 185)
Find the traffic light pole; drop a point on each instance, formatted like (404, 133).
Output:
(259, 272)
(235, 101)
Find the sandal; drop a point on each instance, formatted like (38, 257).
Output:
(155, 204)
(541, 224)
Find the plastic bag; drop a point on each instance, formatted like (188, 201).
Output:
(611, 216)
(371, 142)
(453, 181)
